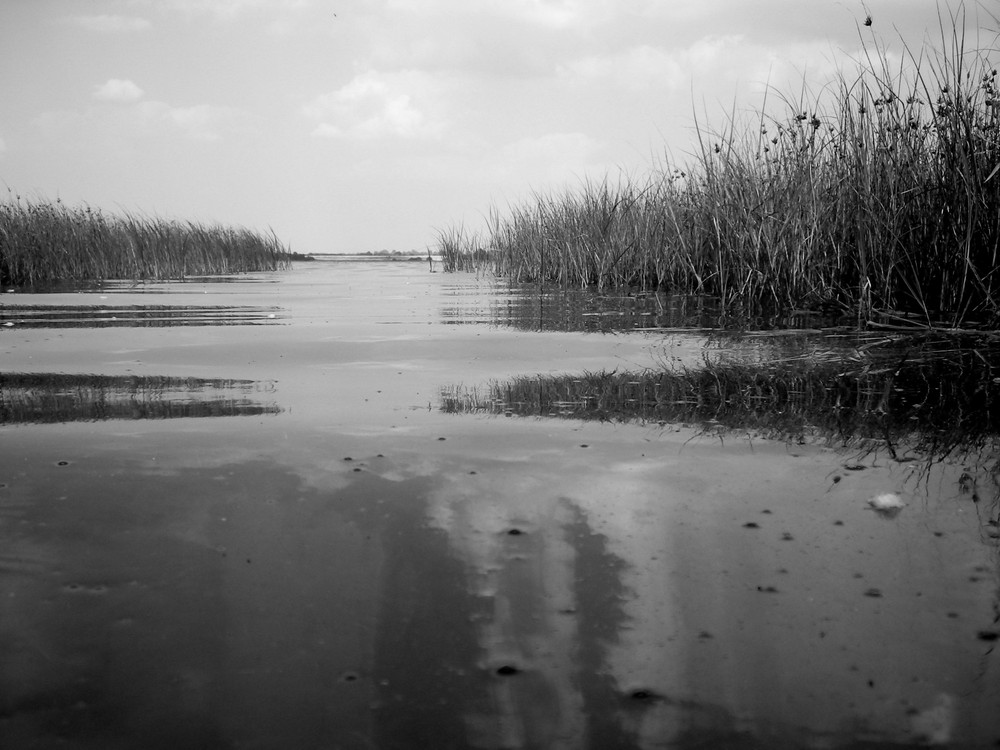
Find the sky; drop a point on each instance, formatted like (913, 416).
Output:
(364, 125)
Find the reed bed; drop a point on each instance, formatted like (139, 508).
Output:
(879, 194)
(43, 243)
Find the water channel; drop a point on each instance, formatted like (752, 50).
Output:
(358, 504)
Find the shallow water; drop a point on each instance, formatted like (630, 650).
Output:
(381, 538)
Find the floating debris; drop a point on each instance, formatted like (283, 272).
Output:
(887, 504)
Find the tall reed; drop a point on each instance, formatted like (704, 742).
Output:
(880, 193)
(44, 242)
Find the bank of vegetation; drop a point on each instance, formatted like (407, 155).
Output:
(880, 194)
(44, 243)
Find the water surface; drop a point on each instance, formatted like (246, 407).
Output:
(432, 511)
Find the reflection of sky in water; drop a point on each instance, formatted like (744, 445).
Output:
(644, 601)
(555, 596)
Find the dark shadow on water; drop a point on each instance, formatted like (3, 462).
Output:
(59, 398)
(135, 316)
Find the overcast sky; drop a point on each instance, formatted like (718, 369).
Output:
(354, 125)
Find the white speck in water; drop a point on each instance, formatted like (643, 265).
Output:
(887, 504)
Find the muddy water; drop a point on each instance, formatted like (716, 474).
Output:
(249, 515)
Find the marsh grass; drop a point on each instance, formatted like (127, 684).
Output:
(43, 243)
(880, 194)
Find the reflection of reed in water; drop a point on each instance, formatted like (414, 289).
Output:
(931, 401)
(49, 397)
(136, 316)
(526, 307)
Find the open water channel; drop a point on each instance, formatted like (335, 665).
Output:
(360, 505)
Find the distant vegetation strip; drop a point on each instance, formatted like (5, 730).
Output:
(881, 193)
(42, 243)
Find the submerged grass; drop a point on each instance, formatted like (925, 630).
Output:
(881, 194)
(42, 243)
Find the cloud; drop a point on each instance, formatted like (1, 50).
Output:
(647, 67)
(549, 157)
(714, 66)
(117, 90)
(204, 122)
(374, 105)
(135, 121)
(111, 23)
(3, 146)
(551, 14)
(224, 10)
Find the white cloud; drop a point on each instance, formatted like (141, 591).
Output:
(377, 104)
(223, 10)
(118, 90)
(140, 120)
(647, 67)
(111, 23)
(551, 14)
(557, 14)
(550, 157)
(204, 122)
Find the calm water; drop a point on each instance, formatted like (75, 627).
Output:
(361, 505)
